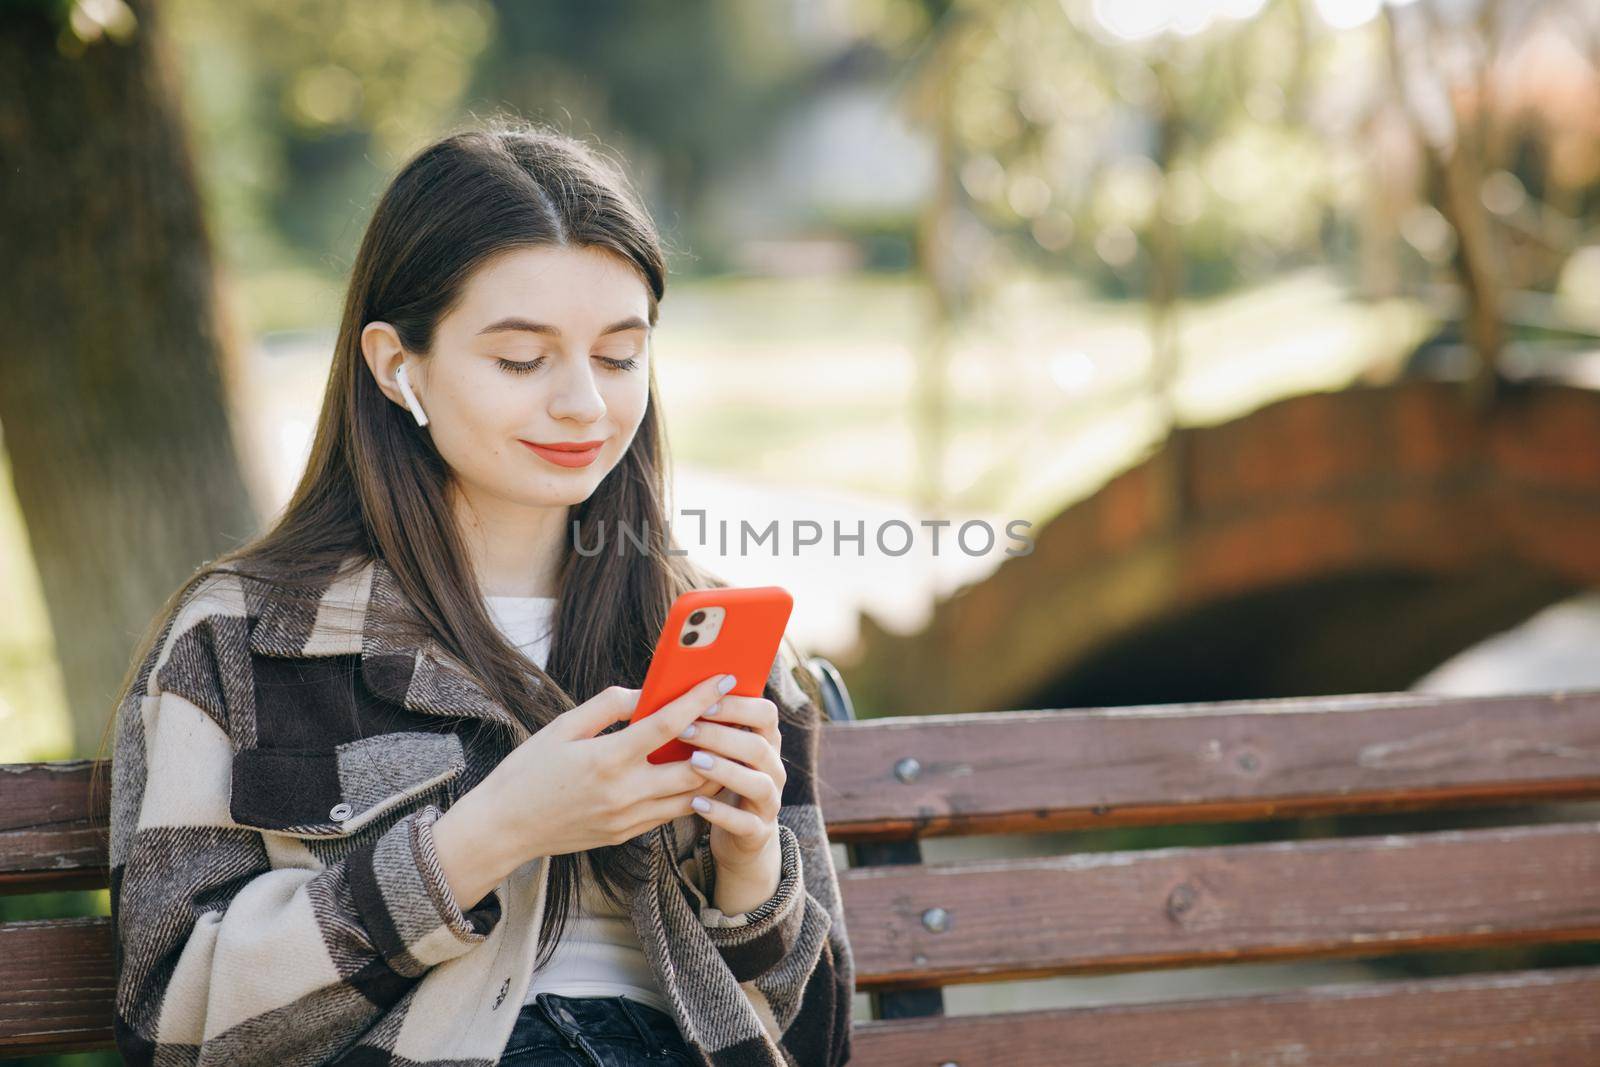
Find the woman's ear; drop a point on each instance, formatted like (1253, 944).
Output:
(385, 355)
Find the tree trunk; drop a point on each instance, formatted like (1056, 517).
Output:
(1456, 174)
(113, 377)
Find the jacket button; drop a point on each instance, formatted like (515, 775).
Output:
(340, 812)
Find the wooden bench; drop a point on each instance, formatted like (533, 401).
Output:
(917, 928)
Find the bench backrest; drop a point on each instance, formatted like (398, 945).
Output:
(915, 927)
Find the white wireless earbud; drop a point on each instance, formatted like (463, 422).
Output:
(411, 398)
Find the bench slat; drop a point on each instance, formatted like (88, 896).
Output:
(56, 987)
(1530, 1017)
(1547, 1018)
(49, 838)
(1114, 911)
(1031, 771)
(1028, 771)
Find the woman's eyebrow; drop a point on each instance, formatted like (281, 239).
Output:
(631, 323)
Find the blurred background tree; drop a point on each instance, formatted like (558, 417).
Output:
(117, 351)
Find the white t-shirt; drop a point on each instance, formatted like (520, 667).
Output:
(599, 954)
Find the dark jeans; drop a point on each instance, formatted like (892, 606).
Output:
(614, 1031)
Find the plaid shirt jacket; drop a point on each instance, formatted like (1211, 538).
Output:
(275, 892)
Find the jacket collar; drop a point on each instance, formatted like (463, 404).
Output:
(423, 678)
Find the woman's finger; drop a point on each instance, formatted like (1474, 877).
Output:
(759, 714)
(756, 786)
(745, 746)
(736, 820)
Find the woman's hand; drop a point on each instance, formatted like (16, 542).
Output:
(567, 788)
(740, 737)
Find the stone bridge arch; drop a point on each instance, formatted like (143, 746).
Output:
(1334, 542)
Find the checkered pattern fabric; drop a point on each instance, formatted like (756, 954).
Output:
(275, 891)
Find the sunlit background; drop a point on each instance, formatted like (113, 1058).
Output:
(964, 260)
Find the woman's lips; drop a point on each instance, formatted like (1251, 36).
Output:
(577, 454)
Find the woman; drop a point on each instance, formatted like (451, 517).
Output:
(373, 767)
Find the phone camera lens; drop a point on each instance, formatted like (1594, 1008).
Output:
(697, 618)
(691, 637)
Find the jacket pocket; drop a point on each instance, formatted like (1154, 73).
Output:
(334, 792)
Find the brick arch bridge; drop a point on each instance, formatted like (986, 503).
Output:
(1329, 543)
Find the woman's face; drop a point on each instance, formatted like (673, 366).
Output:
(547, 346)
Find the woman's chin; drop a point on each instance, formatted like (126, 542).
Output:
(556, 493)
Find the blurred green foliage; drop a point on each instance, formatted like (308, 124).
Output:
(302, 110)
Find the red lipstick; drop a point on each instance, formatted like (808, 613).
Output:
(567, 453)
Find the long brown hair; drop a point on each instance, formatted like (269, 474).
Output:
(375, 486)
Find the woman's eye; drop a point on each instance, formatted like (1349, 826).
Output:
(527, 366)
(520, 366)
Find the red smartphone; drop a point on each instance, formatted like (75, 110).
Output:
(733, 631)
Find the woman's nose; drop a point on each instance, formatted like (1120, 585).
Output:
(577, 398)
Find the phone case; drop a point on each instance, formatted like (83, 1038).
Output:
(744, 645)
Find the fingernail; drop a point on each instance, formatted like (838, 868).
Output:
(700, 804)
(702, 759)
(712, 710)
(690, 730)
(726, 682)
